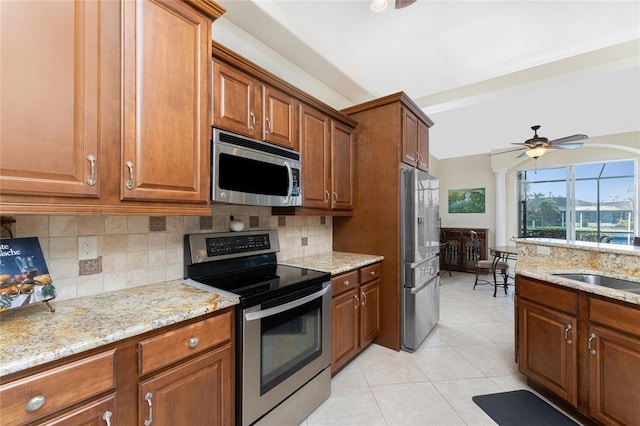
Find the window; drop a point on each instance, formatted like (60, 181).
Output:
(585, 202)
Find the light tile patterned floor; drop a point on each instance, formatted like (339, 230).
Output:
(470, 352)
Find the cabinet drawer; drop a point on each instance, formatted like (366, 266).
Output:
(344, 282)
(59, 387)
(554, 297)
(369, 273)
(175, 345)
(624, 318)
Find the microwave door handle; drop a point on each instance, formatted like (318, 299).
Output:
(290, 190)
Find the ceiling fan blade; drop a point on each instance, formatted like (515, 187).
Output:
(504, 152)
(567, 145)
(403, 3)
(520, 143)
(523, 154)
(568, 139)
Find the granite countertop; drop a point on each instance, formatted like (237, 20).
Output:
(34, 335)
(541, 259)
(334, 262)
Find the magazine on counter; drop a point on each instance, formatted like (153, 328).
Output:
(24, 276)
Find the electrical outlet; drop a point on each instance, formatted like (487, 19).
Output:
(87, 248)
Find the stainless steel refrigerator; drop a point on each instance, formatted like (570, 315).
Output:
(420, 256)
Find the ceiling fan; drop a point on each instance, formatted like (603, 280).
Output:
(537, 146)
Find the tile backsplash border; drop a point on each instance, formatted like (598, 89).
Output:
(139, 250)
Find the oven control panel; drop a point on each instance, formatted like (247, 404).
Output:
(237, 244)
(208, 247)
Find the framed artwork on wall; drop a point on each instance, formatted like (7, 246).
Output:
(469, 200)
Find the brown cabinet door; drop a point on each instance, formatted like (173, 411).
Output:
(196, 392)
(166, 119)
(341, 166)
(614, 377)
(409, 137)
(547, 352)
(369, 312)
(279, 124)
(315, 150)
(96, 413)
(50, 101)
(345, 312)
(423, 146)
(237, 101)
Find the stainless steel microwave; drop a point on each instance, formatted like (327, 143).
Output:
(248, 171)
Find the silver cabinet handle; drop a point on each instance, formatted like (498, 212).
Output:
(566, 333)
(107, 417)
(591, 337)
(364, 298)
(252, 126)
(193, 342)
(357, 301)
(372, 273)
(335, 197)
(92, 179)
(326, 198)
(129, 165)
(149, 419)
(346, 283)
(268, 131)
(35, 403)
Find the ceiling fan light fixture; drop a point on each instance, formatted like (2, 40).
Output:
(536, 152)
(379, 5)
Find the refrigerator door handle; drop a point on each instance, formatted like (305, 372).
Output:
(416, 265)
(416, 290)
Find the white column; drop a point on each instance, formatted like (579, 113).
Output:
(500, 179)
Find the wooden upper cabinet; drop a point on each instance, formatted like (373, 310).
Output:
(415, 140)
(166, 78)
(237, 101)
(409, 137)
(246, 106)
(315, 150)
(341, 166)
(50, 101)
(280, 118)
(423, 146)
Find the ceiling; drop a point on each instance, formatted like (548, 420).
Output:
(483, 71)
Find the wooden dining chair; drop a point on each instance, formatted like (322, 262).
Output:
(490, 266)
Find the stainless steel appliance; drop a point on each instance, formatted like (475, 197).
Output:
(420, 256)
(283, 328)
(248, 171)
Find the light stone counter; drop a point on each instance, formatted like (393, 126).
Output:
(334, 262)
(34, 335)
(541, 258)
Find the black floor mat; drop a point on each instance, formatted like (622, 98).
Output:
(521, 408)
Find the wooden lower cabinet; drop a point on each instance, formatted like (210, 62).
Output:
(191, 393)
(355, 310)
(556, 366)
(597, 372)
(190, 382)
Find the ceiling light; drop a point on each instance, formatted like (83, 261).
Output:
(536, 152)
(379, 5)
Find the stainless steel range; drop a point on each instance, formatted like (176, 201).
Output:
(283, 323)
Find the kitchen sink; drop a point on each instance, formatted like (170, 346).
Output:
(615, 283)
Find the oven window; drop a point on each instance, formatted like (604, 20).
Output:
(289, 341)
(256, 177)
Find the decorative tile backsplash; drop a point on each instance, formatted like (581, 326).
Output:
(138, 250)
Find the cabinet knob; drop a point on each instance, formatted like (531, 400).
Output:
(35, 403)
(346, 283)
(372, 273)
(193, 342)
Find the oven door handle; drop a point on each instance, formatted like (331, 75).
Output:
(251, 316)
(290, 189)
